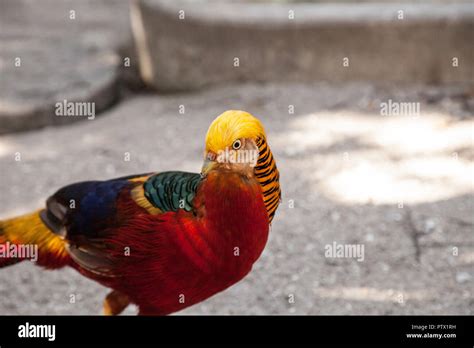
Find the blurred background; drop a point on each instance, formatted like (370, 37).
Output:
(368, 109)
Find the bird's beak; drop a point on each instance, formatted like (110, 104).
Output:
(208, 164)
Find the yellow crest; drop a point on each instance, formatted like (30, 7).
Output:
(230, 126)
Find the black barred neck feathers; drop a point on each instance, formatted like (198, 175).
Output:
(268, 176)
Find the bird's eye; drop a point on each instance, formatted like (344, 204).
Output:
(237, 144)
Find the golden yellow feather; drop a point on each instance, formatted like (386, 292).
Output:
(30, 229)
(230, 126)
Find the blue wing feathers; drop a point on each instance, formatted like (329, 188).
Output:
(85, 208)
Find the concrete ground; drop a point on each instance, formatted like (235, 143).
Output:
(54, 50)
(400, 186)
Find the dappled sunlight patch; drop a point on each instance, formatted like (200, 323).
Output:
(426, 134)
(373, 294)
(5, 148)
(323, 129)
(384, 159)
(466, 258)
(406, 181)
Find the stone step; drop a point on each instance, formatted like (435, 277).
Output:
(57, 50)
(186, 45)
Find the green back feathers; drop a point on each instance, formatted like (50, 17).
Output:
(170, 191)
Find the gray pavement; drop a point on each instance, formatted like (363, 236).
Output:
(401, 186)
(55, 50)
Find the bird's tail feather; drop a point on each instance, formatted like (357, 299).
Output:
(27, 238)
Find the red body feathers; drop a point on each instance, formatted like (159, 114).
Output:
(176, 259)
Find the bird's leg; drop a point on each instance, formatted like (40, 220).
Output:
(115, 302)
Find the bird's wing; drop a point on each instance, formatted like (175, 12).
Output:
(171, 191)
(89, 215)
